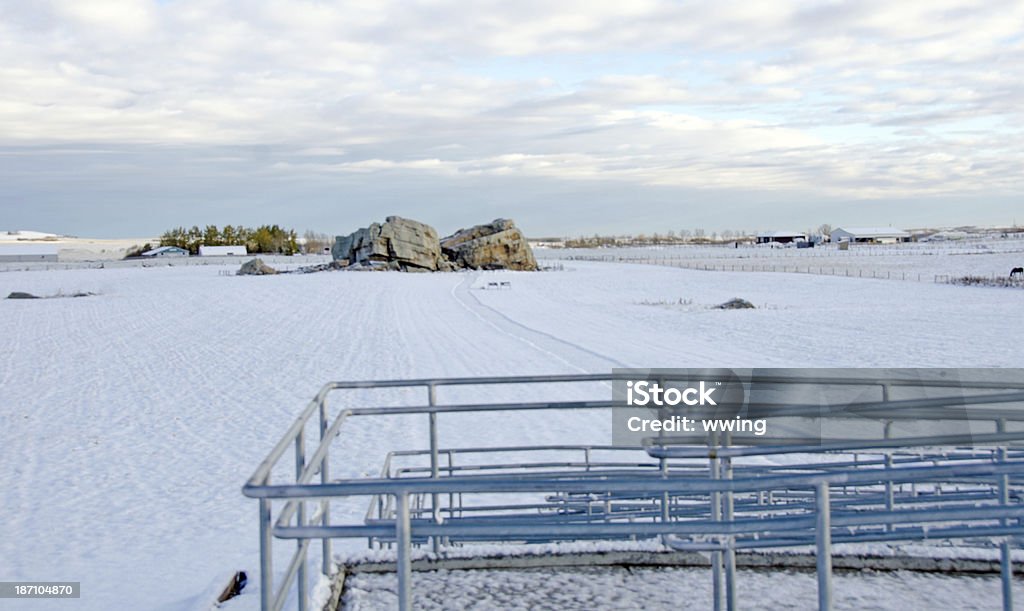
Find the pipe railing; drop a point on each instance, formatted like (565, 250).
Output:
(845, 500)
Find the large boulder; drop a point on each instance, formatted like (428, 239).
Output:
(256, 267)
(399, 243)
(735, 304)
(496, 245)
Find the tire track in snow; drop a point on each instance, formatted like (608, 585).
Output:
(12, 339)
(556, 347)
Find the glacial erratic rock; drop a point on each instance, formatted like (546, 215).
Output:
(397, 244)
(401, 244)
(322, 267)
(256, 267)
(735, 304)
(59, 295)
(496, 245)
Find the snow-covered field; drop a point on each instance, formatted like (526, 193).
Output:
(278, 262)
(911, 261)
(130, 419)
(585, 589)
(78, 249)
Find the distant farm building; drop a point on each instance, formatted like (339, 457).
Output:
(781, 237)
(166, 251)
(942, 236)
(222, 251)
(547, 243)
(870, 235)
(23, 253)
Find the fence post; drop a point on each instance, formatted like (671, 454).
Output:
(666, 511)
(889, 495)
(1005, 560)
(434, 498)
(730, 553)
(403, 538)
(300, 465)
(716, 515)
(823, 537)
(266, 556)
(325, 504)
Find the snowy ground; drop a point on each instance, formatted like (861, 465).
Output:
(912, 261)
(585, 589)
(801, 321)
(78, 249)
(229, 264)
(129, 420)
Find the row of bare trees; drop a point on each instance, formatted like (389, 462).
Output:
(683, 236)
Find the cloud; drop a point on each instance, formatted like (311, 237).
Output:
(859, 100)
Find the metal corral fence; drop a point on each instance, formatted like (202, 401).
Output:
(717, 494)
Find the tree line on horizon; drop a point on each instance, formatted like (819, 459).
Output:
(671, 237)
(266, 239)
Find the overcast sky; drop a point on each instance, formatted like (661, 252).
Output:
(126, 117)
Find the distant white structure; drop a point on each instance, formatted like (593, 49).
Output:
(947, 235)
(781, 237)
(166, 251)
(22, 253)
(870, 235)
(22, 234)
(222, 251)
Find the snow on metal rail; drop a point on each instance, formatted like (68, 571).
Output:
(716, 495)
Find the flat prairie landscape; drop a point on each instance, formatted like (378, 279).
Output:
(133, 416)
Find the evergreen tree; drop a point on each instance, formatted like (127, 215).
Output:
(212, 236)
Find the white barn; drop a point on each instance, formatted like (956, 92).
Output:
(222, 251)
(166, 251)
(781, 237)
(23, 253)
(870, 235)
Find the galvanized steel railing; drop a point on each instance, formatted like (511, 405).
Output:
(707, 497)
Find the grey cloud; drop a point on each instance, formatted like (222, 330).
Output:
(817, 102)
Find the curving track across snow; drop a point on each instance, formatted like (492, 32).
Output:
(129, 420)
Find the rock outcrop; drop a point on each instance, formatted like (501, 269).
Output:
(406, 245)
(60, 294)
(735, 304)
(399, 244)
(496, 245)
(322, 267)
(256, 267)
